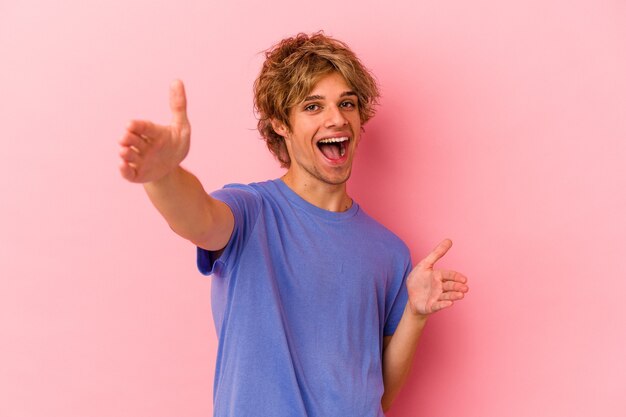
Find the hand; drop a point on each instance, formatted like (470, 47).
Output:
(431, 290)
(149, 151)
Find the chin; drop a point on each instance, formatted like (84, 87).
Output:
(337, 180)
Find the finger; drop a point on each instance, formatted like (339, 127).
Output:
(440, 305)
(455, 286)
(178, 103)
(436, 254)
(128, 154)
(451, 295)
(127, 171)
(453, 276)
(132, 140)
(144, 129)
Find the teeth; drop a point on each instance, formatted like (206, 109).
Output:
(334, 140)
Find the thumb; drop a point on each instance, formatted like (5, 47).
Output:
(178, 103)
(436, 254)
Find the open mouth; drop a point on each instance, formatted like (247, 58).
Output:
(333, 148)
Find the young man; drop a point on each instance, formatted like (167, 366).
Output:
(316, 307)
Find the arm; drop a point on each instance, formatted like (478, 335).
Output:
(398, 354)
(429, 291)
(151, 154)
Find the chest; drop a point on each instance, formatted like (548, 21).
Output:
(313, 258)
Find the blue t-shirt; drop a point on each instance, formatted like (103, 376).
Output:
(301, 298)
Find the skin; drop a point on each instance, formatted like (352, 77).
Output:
(332, 110)
(151, 154)
(429, 290)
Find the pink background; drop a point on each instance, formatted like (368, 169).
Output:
(502, 126)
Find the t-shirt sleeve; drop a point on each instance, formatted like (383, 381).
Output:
(397, 296)
(244, 202)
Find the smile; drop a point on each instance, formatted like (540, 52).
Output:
(333, 148)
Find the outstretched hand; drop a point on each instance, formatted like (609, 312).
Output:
(430, 289)
(150, 151)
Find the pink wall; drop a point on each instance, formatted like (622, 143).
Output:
(502, 126)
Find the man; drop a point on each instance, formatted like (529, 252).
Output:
(316, 307)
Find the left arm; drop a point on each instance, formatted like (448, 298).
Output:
(429, 291)
(398, 352)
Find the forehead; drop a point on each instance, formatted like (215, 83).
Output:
(329, 85)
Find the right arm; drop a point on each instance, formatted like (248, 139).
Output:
(151, 154)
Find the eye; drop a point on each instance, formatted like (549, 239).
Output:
(348, 105)
(312, 107)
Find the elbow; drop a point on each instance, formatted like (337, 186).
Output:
(385, 404)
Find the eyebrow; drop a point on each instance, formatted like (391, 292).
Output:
(318, 97)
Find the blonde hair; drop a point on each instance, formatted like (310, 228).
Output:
(290, 71)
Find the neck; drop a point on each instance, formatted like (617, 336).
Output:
(331, 197)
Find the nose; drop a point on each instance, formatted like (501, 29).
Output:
(335, 117)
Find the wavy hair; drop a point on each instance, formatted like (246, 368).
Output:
(290, 71)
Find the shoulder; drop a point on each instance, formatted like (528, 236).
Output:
(250, 198)
(256, 189)
(378, 229)
(387, 240)
(253, 192)
(243, 199)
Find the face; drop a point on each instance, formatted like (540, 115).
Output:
(325, 131)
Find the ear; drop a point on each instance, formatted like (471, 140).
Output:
(279, 127)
